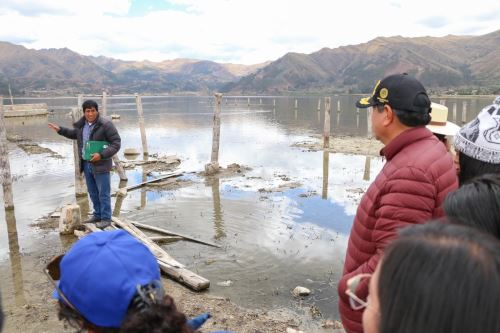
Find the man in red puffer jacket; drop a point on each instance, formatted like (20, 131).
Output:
(409, 189)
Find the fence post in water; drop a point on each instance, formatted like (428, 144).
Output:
(296, 104)
(80, 185)
(319, 104)
(274, 103)
(455, 112)
(248, 101)
(366, 173)
(464, 112)
(138, 102)
(260, 101)
(369, 121)
(80, 101)
(213, 166)
(326, 127)
(116, 160)
(338, 105)
(5, 175)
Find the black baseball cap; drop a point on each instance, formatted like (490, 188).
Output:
(401, 91)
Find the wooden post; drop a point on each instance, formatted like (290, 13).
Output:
(248, 102)
(260, 101)
(274, 103)
(15, 258)
(5, 176)
(326, 127)
(338, 105)
(319, 104)
(104, 105)
(464, 112)
(326, 166)
(213, 166)
(338, 119)
(116, 160)
(357, 120)
(80, 101)
(369, 122)
(138, 102)
(366, 174)
(80, 185)
(11, 98)
(296, 104)
(455, 112)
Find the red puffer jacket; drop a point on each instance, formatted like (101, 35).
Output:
(410, 189)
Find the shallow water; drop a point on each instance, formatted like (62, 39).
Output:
(271, 241)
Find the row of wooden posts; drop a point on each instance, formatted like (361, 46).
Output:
(210, 168)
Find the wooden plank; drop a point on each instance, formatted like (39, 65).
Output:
(168, 232)
(168, 265)
(166, 239)
(133, 187)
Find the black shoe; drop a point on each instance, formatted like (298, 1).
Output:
(103, 224)
(93, 219)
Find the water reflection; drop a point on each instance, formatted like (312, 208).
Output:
(326, 165)
(213, 182)
(15, 258)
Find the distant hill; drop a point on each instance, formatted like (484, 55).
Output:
(451, 62)
(62, 71)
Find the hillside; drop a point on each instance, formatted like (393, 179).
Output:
(451, 62)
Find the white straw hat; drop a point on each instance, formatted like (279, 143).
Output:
(439, 121)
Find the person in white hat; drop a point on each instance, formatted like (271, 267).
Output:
(442, 129)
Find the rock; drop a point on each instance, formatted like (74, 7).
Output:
(55, 215)
(212, 168)
(227, 283)
(335, 324)
(293, 330)
(130, 151)
(301, 291)
(70, 219)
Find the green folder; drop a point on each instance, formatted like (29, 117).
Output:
(92, 147)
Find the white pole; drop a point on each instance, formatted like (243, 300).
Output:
(213, 166)
(138, 102)
(5, 175)
(80, 185)
(326, 127)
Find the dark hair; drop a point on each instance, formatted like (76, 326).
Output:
(89, 104)
(476, 204)
(409, 118)
(470, 168)
(162, 317)
(439, 278)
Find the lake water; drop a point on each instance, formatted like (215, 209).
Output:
(271, 242)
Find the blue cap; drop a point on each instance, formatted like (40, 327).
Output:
(101, 272)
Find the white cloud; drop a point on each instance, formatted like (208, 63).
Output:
(232, 30)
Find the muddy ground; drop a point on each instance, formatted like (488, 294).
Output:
(33, 310)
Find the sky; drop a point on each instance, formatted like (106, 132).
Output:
(232, 31)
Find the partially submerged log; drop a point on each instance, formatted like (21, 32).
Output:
(168, 232)
(168, 265)
(133, 187)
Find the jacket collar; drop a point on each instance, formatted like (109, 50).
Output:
(81, 122)
(404, 139)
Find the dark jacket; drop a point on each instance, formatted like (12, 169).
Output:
(104, 130)
(410, 189)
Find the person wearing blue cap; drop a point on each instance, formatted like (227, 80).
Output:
(110, 282)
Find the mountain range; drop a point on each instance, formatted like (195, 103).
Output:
(456, 63)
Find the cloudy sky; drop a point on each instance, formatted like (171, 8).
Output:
(237, 31)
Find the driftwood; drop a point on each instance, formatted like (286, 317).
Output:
(167, 232)
(165, 239)
(168, 265)
(133, 187)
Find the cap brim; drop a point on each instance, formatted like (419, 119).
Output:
(449, 129)
(365, 102)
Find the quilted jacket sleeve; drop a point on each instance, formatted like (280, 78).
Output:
(407, 198)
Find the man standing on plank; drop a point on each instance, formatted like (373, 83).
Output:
(92, 127)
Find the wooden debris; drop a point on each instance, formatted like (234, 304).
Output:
(168, 265)
(133, 187)
(167, 232)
